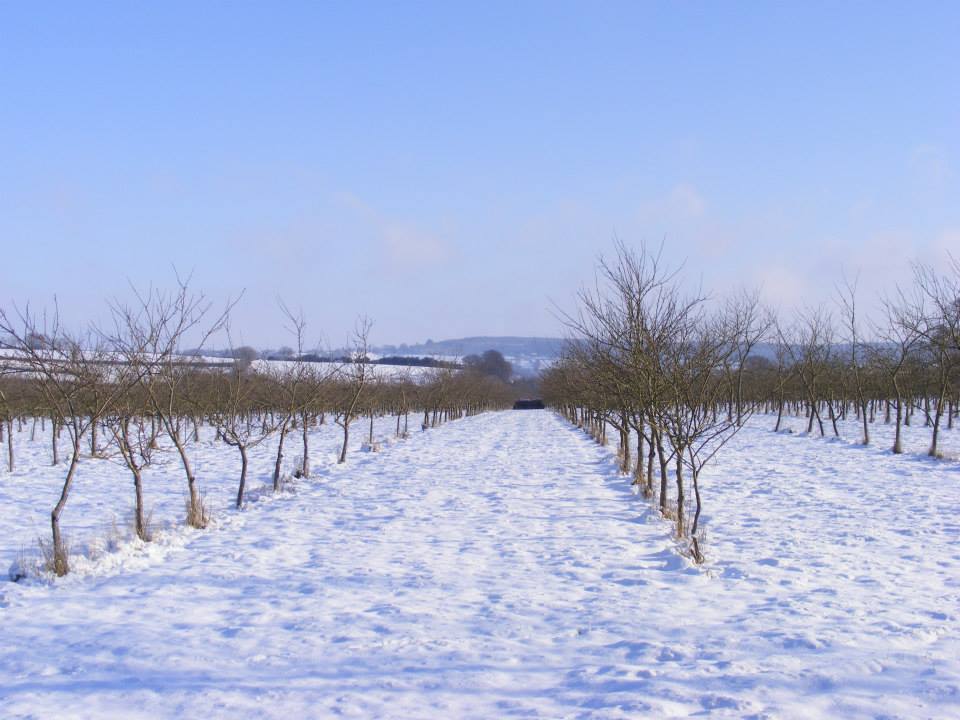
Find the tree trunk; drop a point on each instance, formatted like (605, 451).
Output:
(934, 450)
(139, 519)
(194, 513)
(740, 396)
(680, 497)
(624, 448)
(10, 444)
(651, 453)
(863, 417)
(833, 417)
(140, 524)
(305, 469)
(61, 564)
(638, 469)
(53, 434)
(696, 493)
(897, 441)
(346, 439)
(279, 464)
(816, 414)
(661, 456)
(243, 474)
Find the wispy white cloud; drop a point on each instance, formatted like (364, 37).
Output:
(411, 248)
(929, 165)
(404, 246)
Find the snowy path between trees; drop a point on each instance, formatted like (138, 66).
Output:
(497, 567)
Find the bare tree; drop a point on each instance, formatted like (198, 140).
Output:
(900, 337)
(73, 375)
(354, 377)
(692, 365)
(136, 443)
(149, 334)
(939, 326)
(6, 421)
(235, 402)
(749, 322)
(857, 354)
(295, 381)
(811, 349)
(784, 370)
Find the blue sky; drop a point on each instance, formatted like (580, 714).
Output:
(452, 169)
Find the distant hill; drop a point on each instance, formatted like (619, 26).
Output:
(528, 355)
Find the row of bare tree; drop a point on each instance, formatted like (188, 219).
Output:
(903, 363)
(127, 390)
(679, 374)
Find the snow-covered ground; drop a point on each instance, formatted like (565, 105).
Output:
(499, 567)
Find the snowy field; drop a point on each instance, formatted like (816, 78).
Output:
(498, 567)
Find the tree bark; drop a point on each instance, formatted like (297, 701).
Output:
(194, 516)
(680, 497)
(346, 439)
(141, 524)
(305, 468)
(897, 441)
(663, 472)
(10, 444)
(53, 434)
(61, 564)
(277, 467)
(243, 473)
(651, 453)
(696, 492)
(934, 450)
(863, 417)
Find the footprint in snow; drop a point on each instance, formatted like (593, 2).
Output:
(669, 655)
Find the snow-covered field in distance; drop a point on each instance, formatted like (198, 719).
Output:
(499, 567)
(335, 369)
(528, 355)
